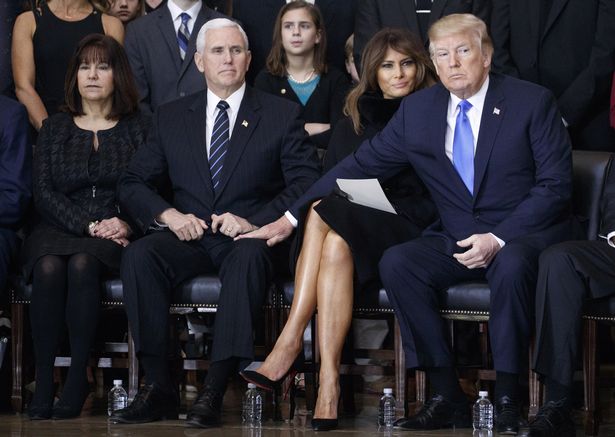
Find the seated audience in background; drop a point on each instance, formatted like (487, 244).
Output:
(258, 18)
(343, 242)
(297, 70)
(15, 179)
(569, 274)
(496, 159)
(236, 158)
(77, 161)
(567, 47)
(414, 15)
(44, 41)
(351, 68)
(127, 10)
(161, 46)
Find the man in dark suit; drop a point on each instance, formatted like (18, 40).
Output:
(496, 158)
(160, 47)
(567, 46)
(569, 274)
(414, 15)
(222, 188)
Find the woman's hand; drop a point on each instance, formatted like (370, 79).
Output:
(112, 229)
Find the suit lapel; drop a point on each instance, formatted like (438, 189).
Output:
(165, 24)
(436, 10)
(204, 15)
(194, 125)
(408, 9)
(533, 15)
(246, 122)
(556, 9)
(494, 111)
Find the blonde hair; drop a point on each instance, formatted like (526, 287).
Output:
(460, 23)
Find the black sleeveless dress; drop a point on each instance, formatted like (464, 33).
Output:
(54, 42)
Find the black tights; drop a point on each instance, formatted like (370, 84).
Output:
(65, 289)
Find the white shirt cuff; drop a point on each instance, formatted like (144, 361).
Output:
(161, 225)
(293, 221)
(609, 238)
(500, 241)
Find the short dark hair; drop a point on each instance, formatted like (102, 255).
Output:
(97, 48)
(276, 61)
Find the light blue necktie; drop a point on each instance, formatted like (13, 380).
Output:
(219, 143)
(463, 146)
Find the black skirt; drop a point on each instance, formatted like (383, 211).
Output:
(368, 232)
(47, 239)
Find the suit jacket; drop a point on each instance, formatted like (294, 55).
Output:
(523, 165)
(573, 55)
(268, 165)
(258, 23)
(373, 15)
(153, 52)
(15, 163)
(607, 222)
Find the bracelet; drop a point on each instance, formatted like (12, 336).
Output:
(91, 226)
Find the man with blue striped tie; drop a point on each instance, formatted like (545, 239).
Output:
(236, 159)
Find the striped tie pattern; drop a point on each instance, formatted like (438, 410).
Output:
(183, 35)
(219, 143)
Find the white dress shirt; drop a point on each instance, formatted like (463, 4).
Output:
(176, 11)
(234, 101)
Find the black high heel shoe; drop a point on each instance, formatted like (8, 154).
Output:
(267, 384)
(324, 424)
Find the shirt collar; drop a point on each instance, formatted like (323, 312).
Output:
(234, 100)
(176, 11)
(477, 100)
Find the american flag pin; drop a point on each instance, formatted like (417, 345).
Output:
(496, 111)
(244, 123)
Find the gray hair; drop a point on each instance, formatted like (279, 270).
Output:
(218, 23)
(460, 23)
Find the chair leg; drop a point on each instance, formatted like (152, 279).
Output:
(589, 377)
(17, 339)
(133, 368)
(400, 372)
(535, 386)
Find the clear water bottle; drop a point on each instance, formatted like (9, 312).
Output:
(118, 398)
(386, 413)
(252, 406)
(482, 413)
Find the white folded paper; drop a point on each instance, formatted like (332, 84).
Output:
(366, 192)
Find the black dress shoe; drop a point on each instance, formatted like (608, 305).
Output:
(62, 412)
(437, 413)
(206, 411)
(507, 416)
(324, 424)
(39, 412)
(150, 404)
(553, 420)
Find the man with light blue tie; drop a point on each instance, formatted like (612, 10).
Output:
(160, 47)
(496, 158)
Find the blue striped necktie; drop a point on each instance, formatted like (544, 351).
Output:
(463, 146)
(183, 35)
(219, 143)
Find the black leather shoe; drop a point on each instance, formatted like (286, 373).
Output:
(553, 420)
(324, 424)
(150, 404)
(507, 416)
(39, 412)
(206, 410)
(62, 412)
(437, 413)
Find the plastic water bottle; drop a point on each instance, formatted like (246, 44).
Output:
(118, 398)
(252, 406)
(386, 413)
(482, 413)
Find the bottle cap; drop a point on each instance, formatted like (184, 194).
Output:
(388, 391)
(117, 382)
(251, 385)
(483, 393)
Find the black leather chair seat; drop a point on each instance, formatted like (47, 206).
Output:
(469, 300)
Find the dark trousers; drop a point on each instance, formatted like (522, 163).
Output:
(8, 247)
(154, 265)
(414, 272)
(569, 273)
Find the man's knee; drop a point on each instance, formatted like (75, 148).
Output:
(515, 263)
(139, 252)
(558, 255)
(251, 249)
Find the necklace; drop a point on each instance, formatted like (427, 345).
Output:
(301, 82)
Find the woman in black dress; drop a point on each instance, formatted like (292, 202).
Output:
(342, 241)
(297, 70)
(78, 158)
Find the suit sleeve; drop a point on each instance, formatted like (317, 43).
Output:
(366, 24)
(138, 185)
(299, 168)
(135, 57)
(500, 33)
(592, 82)
(550, 197)
(15, 166)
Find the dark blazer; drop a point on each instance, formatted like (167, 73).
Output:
(258, 18)
(153, 52)
(325, 105)
(373, 15)
(523, 166)
(573, 55)
(269, 162)
(607, 213)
